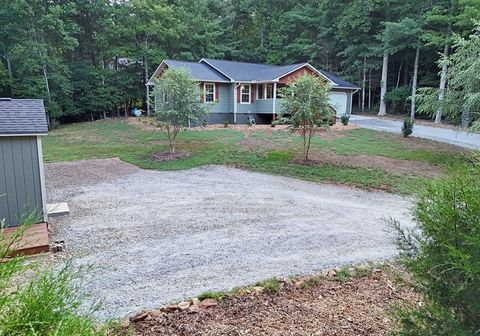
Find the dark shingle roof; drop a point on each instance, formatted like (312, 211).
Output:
(22, 116)
(337, 80)
(200, 71)
(242, 71)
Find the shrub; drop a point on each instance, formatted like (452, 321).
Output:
(45, 304)
(407, 127)
(204, 123)
(443, 255)
(345, 118)
(225, 123)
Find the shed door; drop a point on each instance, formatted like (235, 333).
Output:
(338, 100)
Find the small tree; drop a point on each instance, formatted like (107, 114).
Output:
(177, 103)
(306, 106)
(443, 256)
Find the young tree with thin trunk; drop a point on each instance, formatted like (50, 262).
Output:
(177, 103)
(306, 106)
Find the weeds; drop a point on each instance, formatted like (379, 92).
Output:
(46, 303)
(270, 286)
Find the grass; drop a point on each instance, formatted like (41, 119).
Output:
(271, 153)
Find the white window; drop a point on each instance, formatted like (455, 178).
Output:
(245, 94)
(265, 91)
(209, 92)
(268, 94)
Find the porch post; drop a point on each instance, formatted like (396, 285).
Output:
(235, 86)
(274, 99)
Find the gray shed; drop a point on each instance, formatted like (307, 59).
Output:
(22, 183)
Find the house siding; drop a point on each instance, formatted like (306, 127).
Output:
(261, 109)
(20, 180)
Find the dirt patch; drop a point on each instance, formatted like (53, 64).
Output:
(430, 145)
(61, 175)
(356, 307)
(393, 166)
(167, 156)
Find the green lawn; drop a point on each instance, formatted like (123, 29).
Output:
(271, 152)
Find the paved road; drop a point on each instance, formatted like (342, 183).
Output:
(454, 137)
(155, 237)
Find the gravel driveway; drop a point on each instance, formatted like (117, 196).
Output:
(446, 135)
(155, 237)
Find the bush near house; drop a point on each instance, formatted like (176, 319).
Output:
(407, 127)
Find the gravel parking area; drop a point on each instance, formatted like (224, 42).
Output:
(155, 237)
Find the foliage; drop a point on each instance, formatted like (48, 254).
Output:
(462, 97)
(305, 104)
(91, 59)
(443, 255)
(345, 119)
(46, 303)
(407, 127)
(225, 123)
(177, 103)
(398, 96)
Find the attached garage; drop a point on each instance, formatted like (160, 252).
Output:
(339, 102)
(22, 185)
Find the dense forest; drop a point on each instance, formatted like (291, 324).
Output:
(89, 59)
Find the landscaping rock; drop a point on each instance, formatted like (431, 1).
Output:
(195, 301)
(258, 289)
(331, 273)
(183, 305)
(193, 309)
(169, 308)
(140, 316)
(208, 303)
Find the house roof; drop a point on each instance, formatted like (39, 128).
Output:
(231, 71)
(22, 116)
(339, 81)
(199, 71)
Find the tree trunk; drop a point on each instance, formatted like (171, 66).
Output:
(414, 82)
(370, 90)
(364, 81)
(394, 105)
(383, 85)
(147, 93)
(465, 115)
(10, 72)
(126, 108)
(443, 84)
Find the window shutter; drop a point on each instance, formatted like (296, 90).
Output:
(252, 93)
(200, 85)
(216, 92)
(238, 94)
(260, 91)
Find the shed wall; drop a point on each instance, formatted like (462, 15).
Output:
(20, 178)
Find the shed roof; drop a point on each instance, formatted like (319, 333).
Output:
(22, 116)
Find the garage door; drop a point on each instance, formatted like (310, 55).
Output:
(338, 100)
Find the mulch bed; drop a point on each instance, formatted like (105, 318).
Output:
(358, 306)
(167, 156)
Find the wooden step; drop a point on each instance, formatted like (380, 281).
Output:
(33, 241)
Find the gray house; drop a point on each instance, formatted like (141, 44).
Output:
(241, 90)
(22, 185)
